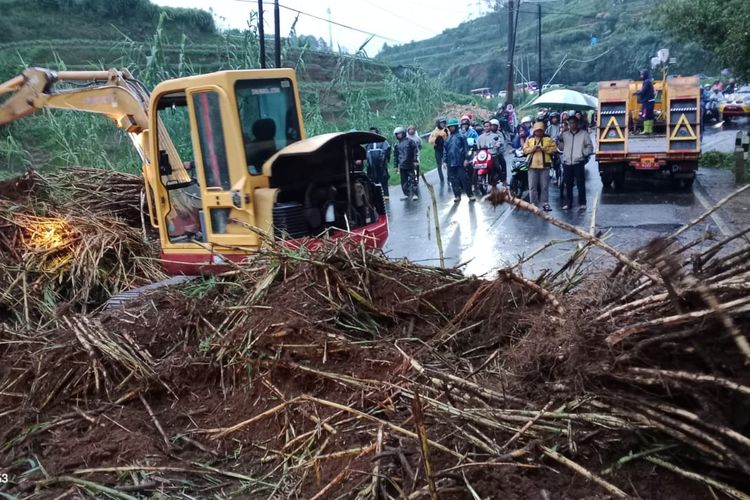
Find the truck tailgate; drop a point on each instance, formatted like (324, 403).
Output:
(647, 144)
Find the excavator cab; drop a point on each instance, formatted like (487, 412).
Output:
(225, 158)
(215, 133)
(231, 130)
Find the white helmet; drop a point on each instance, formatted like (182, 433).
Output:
(495, 121)
(526, 119)
(399, 130)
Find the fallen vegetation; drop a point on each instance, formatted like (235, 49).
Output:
(338, 373)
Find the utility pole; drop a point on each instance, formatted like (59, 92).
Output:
(261, 35)
(277, 27)
(539, 45)
(511, 46)
(330, 30)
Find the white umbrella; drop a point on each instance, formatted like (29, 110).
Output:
(593, 101)
(564, 98)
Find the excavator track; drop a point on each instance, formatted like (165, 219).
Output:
(119, 300)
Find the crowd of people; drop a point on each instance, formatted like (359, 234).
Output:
(559, 141)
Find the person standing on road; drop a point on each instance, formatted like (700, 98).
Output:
(405, 158)
(492, 141)
(411, 134)
(647, 98)
(583, 121)
(498, 153)
(378, 157)
(576, 147)
(553, 131)
(539, 149)
(437, 139)
(454, 159)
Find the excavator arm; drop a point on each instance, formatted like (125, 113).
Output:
(114, 94)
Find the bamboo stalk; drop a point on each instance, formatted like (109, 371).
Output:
(545, 294)
(436, 217)
(225, 431)
(707, 213)
(692, 377)
(519, 203)
(416, 408)
(382, 422)
(614, 490)
(725, 488)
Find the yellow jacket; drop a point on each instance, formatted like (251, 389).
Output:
(437, 133)
(540, 159)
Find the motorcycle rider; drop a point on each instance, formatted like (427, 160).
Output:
(731, 87)
(405, 158)
(492, 140)
(437, 139)
(526, 123)
(522, 135)
(466, 129)
(378, 157)
(503, 117)
(454, 159)
(647, 99)
(576, 147)
(539, 149)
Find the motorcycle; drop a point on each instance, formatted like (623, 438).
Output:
(481, 170)
(713, 111)
(519, 179)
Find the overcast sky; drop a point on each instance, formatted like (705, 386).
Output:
(393, 20)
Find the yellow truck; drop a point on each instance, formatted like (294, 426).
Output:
(670, 153)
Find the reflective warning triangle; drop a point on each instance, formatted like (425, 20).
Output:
(612, 134)
(683, 125)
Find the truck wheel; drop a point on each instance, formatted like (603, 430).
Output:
(606, 182)
(619, 181)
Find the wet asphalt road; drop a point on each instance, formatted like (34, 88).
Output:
(484, 238)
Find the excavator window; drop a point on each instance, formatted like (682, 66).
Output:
(268, 114)
(183, 221)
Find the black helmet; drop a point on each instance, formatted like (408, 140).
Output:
(440, 119)
(374, 129)
(554, 114)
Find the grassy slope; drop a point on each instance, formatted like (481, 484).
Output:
(478, 49)
(338, 92)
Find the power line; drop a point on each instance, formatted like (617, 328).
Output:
(352, 28)
(429, 30)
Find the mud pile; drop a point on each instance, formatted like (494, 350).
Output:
(338, 373)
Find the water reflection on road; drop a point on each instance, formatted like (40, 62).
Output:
(487, 238)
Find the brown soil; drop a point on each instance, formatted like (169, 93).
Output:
(325, 351)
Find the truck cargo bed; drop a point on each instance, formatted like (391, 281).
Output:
(647, 144)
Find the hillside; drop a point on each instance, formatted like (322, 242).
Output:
(474, 53)
(338, 91)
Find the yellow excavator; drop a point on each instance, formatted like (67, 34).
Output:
(225, 157)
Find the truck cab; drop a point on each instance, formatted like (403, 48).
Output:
(670, 153)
